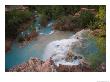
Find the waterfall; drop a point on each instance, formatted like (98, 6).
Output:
(59, 49)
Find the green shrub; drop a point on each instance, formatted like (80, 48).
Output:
(93, 25)
(96, 60)
(100, 19)
(84, 20)
(76, 22)
(86, 17)
(101, 16)
(67, 23)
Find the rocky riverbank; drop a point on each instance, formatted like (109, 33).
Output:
(23, 41)
(37, 65)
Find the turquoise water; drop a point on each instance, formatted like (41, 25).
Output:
(18, 55)
(36, 25)
(35, 48)
(89, 48)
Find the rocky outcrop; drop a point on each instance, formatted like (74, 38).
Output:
(99, 32)
(8, 44)
(24, 40)
(32, 35)
(67, 23)
(67, 68)
(28, 66)
(69, 56)
(74, 68)
(37, 65)
(93, 11)
(101, 67)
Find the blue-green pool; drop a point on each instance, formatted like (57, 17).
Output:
(35, 48)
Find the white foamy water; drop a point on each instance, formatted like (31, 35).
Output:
(50, 24)
(63, 62)
(51, 32)
(48, 33)
(58, 49)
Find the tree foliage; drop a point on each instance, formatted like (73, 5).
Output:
(13, 19)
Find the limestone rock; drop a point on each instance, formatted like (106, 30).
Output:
(35, 65)
(32, 35)
(67, 68)
(70, 55)
(8, 44)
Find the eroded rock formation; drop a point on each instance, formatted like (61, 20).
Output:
(37, 65)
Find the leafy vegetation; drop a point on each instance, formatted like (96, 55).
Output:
(100, 57)
(55, 11)
(13, 20)
(72, 22)
(86, 17)
(100, 38)
(63, 14)
(100, 19)
(67, 23)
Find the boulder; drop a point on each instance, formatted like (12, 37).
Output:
(8, 44)
(32, 35)
(102, 67)
(74, 68)
(67, 68)
(48, 66)
(69, 56)
(93, 11)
